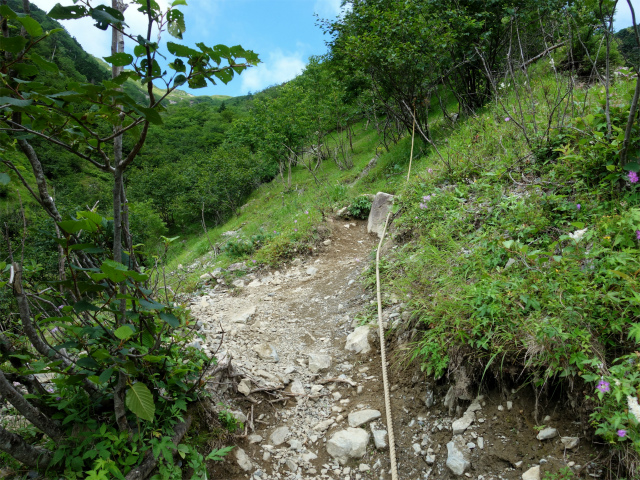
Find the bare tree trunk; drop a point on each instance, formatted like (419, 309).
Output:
(28, 411)
(32, 457)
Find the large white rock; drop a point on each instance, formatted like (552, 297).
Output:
(266, 352)
(547, 433)
(297, 387)
(380, 208)
(457, 456)
(278, 436)
(243, 459)
(570, 442)
(363, 416)
(379, 438)
(347, 444)
(461, 425)
(532, 474)
(244, 386)
(244, 316)
(358, 340)
(319, 362)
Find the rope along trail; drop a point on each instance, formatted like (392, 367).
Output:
(383, 354)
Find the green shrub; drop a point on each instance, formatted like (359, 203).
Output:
(360, 207)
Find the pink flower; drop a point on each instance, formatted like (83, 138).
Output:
(430, 170)
(603, 386)
(633, 177)
(295, 221)
(306, 212)
(578, 206)
(295, 229)
(426, 198)
(638, 234)
(507, 119)
(622, 433)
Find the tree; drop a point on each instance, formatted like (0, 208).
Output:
(120, 357)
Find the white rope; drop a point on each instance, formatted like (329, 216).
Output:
(383, 354)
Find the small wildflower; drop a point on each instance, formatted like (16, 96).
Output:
(58, 399)
(638, 234)
(507, 119)
(275, 231)
(423, 206)
(426, 198)
(253, 261)
(633, 177)
(54, 329)
(295, 221)
(578, 206)
(634, 408)
(430, 170)
(295, 229)
(306, 212)
(603, 386)
(622, 433)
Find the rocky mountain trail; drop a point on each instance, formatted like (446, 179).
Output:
(310, 391)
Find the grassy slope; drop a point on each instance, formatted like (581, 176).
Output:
(556, 312)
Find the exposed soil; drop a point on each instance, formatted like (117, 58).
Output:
(299, 312)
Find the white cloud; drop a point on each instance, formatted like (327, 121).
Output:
(95, 41)
(278, 68)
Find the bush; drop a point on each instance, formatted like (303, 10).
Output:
(360, 207)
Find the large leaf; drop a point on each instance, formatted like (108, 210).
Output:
(31, 25)
(171, 319)
(66, 13)
(44, 64)
(106, 16)
(181, 50)
(6, 12)
(12, 44)
(124, 332)
(119, 59)
(140, 401)
(4, 179)
(176, 25)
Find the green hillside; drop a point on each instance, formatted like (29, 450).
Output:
(507, 132)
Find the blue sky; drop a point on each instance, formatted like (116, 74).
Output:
(282, 32)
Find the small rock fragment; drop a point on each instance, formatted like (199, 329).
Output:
(532, 474)
(570, 442)
(243, 460)
(363, 416)
(358, 340)
(547, 433)
(347, 444)
(279, 435)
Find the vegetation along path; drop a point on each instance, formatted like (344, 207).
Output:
(310, 394)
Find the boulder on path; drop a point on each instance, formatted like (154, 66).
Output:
(532, 474)
(245, 315)
(358, 340)
(347, 444)
(457, 460)
(319, 362)
(243, 460)
(380, 208)
(363, 416)
(278, 436)
(547, 434)
(266, 352)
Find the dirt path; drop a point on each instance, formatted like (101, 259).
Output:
(287, 331)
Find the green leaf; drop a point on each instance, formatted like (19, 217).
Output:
(578, 225)
(84, 306)
(219, 454)
(72, 226)
(106, 16)
(124, 332)
(171, 319)
(178, 2)
(31, 25)
(176, 25)
(150, 305)
(105, 376)
(66, 13)
(6, 12)
(632, 167)
(151, 115)
(44, 64)
(179, 80)
(119, 59)
(181, 50)
(88, 362)
(140, 401)
(4, 179)
(12, 44)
